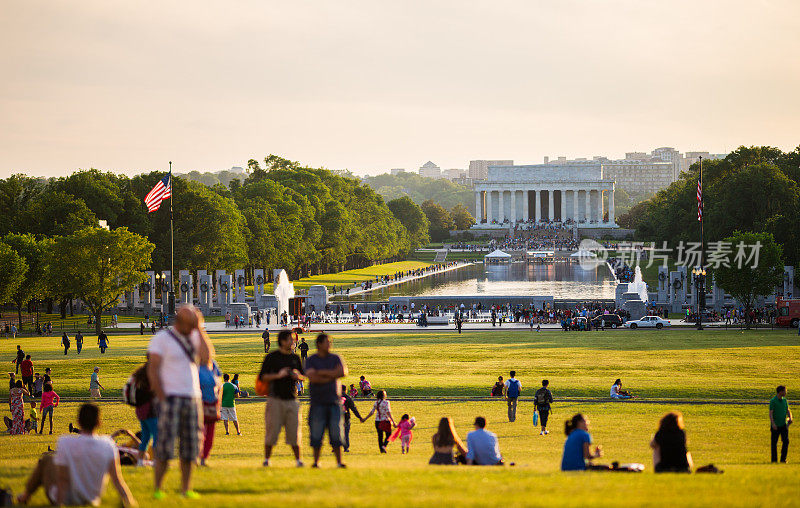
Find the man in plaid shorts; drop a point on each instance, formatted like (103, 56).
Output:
(172, 370)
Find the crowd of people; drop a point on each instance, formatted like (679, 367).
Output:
(542, 236)
(180, 393)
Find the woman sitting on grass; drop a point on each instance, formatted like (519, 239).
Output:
(669, 446)
(577, 454)
(617, 392)
(443, 442)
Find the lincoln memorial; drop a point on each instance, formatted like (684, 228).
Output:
(545, 193)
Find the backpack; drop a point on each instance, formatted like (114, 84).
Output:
(513, 388)
(541, 397)
(129, 392)
(134, 394)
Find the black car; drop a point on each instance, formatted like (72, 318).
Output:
(607, 320)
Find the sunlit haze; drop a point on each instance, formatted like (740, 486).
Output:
(369, 86)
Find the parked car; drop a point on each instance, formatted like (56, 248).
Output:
(648, 322)
(607, 320)
(579, 323)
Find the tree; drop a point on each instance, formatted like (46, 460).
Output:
(420, 189)
(440, 219)
(746, 281)
(16, 192)
(33, 285)
(55, 213)
(12, 272)
(414, 219)
(462, 219)
(209, 228)
(98, 265)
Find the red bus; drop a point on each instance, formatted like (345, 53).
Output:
(788, 312)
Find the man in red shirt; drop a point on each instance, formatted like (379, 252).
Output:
(27, 373)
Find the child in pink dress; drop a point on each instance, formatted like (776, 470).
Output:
(405, 426)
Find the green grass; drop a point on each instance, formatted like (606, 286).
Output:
(428, 256)
(678, 363)
(716, 365)
(348, 277)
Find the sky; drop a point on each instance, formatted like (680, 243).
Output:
(373, 85)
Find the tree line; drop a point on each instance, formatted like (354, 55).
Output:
(282, 215)
(752, 195)
(754, 189)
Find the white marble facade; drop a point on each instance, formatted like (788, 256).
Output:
(545, 193)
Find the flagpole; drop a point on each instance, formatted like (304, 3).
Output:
(701, 290)
(171, 247)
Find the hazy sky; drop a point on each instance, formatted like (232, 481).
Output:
(374, 85)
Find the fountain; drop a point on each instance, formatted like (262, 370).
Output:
(634, 298)
(638, 285)
(283, 291)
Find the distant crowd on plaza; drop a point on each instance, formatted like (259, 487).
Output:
(542, 236)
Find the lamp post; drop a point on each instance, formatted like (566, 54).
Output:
(699, 274)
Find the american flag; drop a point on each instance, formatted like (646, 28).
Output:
(699, 199)
(162, 191)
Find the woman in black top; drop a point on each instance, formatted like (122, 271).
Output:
(444, 441)
(669, 446)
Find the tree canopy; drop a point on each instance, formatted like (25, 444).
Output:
(752, 268)
(98, 265)
(753, 189)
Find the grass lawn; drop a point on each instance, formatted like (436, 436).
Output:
(717, 365)
(348, 277)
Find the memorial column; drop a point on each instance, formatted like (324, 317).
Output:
(550, 205)
(501, 213)
(478, 214)
(513, 216)
(538, 206)
(489, 217)
(575, 205)
(525, 212)
(563, 206)
(611, 217)
(588, 208)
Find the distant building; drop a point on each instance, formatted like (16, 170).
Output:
(479, 169)
(691, 157)
(640, 172)
(397, 171)
(430, 170)
(669, 154)
(640, 176)
(453, 174)
(237, 169)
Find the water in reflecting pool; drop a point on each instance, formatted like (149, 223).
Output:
(567, 281)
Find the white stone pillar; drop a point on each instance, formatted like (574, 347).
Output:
(602, 206)
(588, 208)
(501, 213)
(478, 214)
(563, 205)
(489, 217)
(513, 216)
(538, 206)
(526, 216)
(611, 217)
(550, 205)
(575, 205)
